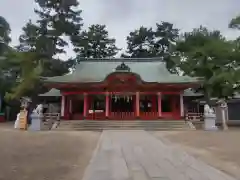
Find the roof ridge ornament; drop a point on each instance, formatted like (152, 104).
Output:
(123, 68)
(153, 59)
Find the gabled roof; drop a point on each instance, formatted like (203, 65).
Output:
(149, 70)
(191, 93)
(52, 93)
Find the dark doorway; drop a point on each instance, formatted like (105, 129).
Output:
(166, 103)
(97, 103)
(77, 104)
(121, 103)
(148, 103)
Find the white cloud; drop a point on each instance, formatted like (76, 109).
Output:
(123, 16)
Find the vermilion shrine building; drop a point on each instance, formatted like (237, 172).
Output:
(121, 89)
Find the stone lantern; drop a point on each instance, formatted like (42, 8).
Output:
(224, 115)
(25, 102)
(209, 118)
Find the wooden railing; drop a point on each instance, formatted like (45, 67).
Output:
(96, 115)
(122, 115)
(77, 116)
(50, 118)
(192, 116)
(149, 115)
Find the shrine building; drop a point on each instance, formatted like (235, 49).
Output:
(121, 89)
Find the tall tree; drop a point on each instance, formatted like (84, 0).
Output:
(140, 43)
(4, 34)
(27, 71)
(235, 23)
(57, 18)
(40, 42)
(5, 79)
(33, 41)
(157, 42)
(95, 43)
(209, 55)
(165, 38)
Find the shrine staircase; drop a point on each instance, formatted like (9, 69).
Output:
(154, 125)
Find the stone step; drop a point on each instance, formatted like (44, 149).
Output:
(131, 122)
(101, 129)
(126, 125)
(123, 123)
(107, 125)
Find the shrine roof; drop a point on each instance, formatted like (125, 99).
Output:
(56, 93)
(52, 93)
(191, 93)
(96, 70)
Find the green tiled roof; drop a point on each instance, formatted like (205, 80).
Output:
(191, 93)
(97, 71)
(52, 93)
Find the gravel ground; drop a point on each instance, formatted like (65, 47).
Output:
(44, 155)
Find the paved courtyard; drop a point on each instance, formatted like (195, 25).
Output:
(220, 149)
(138, 155)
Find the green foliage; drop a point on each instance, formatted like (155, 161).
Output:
(235, 23)
(58, 18)
(4, 35)
(5, 82)
(148, 42)
(33, 41)
(199, 53)
(140, 43)
(95, 43)
(208, 54)
(40, 42)
(4, 30)
(28, 71)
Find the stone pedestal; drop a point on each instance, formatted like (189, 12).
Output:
(210, 122)
(37, 122)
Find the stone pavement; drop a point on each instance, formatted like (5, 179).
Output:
(137, 155)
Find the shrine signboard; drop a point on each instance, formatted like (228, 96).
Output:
(23, 120)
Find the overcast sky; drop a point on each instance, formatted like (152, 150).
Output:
(123, 16)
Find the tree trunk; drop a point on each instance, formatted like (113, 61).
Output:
(207, 97)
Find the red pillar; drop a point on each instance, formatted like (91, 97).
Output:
(85, 107)
(159, 105)
(107, 105)
(63, 106)
(137, 110)
(70, 106)
(182, 106)
(66, 108)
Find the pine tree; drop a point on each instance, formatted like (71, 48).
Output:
(58, 18)
(209, 55)
(40, 42)
(154, 42)
(4, 35)
(95, 43)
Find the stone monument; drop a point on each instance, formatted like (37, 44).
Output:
(22, 118)
(25, 101)
(224, 113)
(209, 118)
(37, 118)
